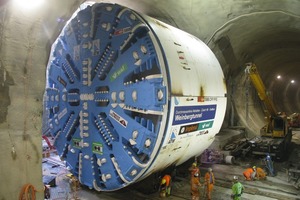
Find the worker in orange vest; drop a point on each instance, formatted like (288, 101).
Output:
(209, 180)
(165, 186)
(194, 169)
(250, 173)
(195, 187)
(260, 174)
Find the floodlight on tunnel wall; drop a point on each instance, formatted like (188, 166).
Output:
(278, 77)
(28, 4)
(128, 95)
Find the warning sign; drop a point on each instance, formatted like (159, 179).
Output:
(122, 31)
(118, 118)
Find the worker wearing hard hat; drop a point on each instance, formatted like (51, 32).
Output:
(165, 186)
(250, 173)
(269, 165)
(237, 189)
(194, 169)
(195, 187)
(209, 179)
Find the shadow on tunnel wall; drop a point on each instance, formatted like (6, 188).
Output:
(5, 82)
(244, 108)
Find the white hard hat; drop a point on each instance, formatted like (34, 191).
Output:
(235, 177)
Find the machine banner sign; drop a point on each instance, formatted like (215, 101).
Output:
(195, 127)
(189, 114)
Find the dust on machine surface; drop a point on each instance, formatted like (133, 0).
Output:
(128, 95)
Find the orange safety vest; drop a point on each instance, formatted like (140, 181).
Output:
(195, 184)
(168, 179)
(247, 173)
(194, 170)
(209, 178)
(260, 173)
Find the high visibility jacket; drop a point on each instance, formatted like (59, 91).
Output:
(248, 173)
(195, 184)
(194, 170)
(209, 178)
(168, 179)
(237, 190)
(260, 173)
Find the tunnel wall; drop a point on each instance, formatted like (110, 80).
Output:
(24, 38)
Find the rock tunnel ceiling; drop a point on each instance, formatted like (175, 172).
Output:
(266, 33)
(271, 40)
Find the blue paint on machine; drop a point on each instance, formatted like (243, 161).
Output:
(190, 114)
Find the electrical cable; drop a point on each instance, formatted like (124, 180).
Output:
(28, 192)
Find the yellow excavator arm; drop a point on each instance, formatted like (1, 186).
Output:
(276, 125)
(252, 72)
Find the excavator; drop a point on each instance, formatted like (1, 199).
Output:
(275, 136)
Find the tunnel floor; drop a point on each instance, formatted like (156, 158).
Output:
(277, 187)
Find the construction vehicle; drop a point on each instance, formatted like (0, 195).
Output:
(294, 120)
(275, 137)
